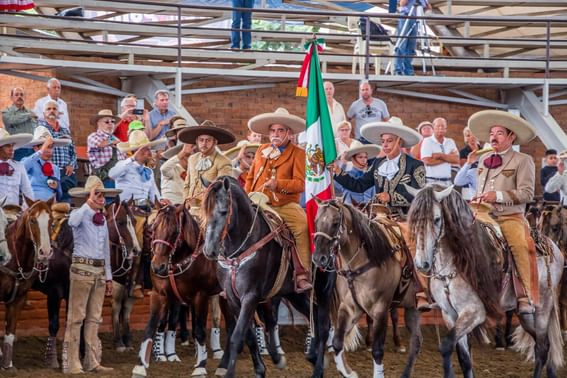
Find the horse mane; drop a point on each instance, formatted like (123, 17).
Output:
(209, 199)
(378, 248)
(473, 254)
(193, 224)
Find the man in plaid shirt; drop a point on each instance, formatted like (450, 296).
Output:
(64, 157)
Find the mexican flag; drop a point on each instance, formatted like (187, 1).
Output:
(320, 149)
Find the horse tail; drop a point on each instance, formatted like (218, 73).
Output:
(524, 343)
(555, 337)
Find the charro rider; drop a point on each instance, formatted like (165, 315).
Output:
(506, 181)
(389, 173)
(278, 170)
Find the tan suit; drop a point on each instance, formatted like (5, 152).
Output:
(515, 180)
(221, 166)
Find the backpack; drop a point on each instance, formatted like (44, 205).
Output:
(377, 31)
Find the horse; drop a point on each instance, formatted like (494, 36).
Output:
(123, 245)
(28, 240)
(369, 280)
(466, 277)
(239, 238)
(180, 274)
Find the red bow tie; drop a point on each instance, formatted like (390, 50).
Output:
(47, 169)
(492, 162)
(98, 219)
(6, 169)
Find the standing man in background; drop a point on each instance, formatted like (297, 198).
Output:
(547, 172)
(53, 94)
(407, 36)
(438, 153)
(367, 109)
(159, 116)
(336, 110)
(19, 120)
(241, 25)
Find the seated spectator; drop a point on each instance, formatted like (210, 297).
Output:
(127, 105)
(358, 157)
(471, 144)
(425, 128)
(53, 94)
(159, 116)
(547, 172)
(344, 142)
(19, 120)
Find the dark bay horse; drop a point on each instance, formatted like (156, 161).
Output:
(249, 259)
(465, 267)
(368, 281)
(180, 274)
(30, 246)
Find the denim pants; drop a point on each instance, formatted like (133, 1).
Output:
(241, 20)
(406, 48)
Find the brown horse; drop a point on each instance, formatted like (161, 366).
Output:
(180, 273)
(30, 246)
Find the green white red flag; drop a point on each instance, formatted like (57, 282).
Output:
(320, 149)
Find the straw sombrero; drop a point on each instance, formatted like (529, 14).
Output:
(103, 114)
(40, 135)
(18, 140)
(138, 139)
(481, 122)
(373, 131)
(261, 123)
(176, 124)
(371, 149)
(93, 182)
(232, 152)
(191, 133)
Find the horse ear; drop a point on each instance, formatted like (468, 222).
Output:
(157, 204)
(29, 201)
(130, 201)
(226, 183)
(411, 190)
(204, 181)
(440, 196)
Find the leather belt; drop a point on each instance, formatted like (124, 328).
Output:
(438, 178)
(87, 261)
(81, 272)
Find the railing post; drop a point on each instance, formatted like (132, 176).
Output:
(547, 72)
(178, 76)
(367, 50)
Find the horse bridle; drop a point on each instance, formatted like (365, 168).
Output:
(122, 269)
(335, 248)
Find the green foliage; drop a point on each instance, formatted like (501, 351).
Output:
(277, 26)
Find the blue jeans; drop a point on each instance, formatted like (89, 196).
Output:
(21, 153)
(406, 47)
(241, 20)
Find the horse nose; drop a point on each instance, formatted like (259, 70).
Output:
(423, 266)
(321, 261)
(43, 255)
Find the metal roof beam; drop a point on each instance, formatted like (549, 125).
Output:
(458, 100)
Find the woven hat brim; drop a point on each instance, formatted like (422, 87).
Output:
(18, 140)
(261, 123)
(56, 142)
(171, 132)
(191, 133)
(81, 192)
(374, 130)
(371, 149)
(481, 122)
(232, 152)
(171, 152)
(94, 119)
(125, 147)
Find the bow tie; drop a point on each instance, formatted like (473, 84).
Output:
(145, 173)
(203, 164)
(98, 219)
(6, 169)
(271, 152)
(47, 169)
(492, 162)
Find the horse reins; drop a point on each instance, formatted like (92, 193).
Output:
(121, 244)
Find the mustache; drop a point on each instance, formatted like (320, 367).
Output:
(276, 139)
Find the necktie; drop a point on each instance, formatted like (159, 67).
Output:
(98, 219)
(145, 173)
(47, 169)
(203, 164)
(388, 169)
(6, 169)
(493, 161)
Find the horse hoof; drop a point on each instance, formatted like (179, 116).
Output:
(280, 350)
(264, 352)
(500, 349)
(173, 358)
(217, 355)
(161, 358)
(282, 364)
(139, 372)
(199, 372)
(121, 349)
(220, 372)
(401, 349)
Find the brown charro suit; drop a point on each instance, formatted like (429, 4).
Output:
(193, 189)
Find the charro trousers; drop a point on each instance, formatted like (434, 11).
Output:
(296, 219)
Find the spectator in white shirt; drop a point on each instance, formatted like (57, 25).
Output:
(53, 93)
(559, 180)
(336, 110)
(438, 153)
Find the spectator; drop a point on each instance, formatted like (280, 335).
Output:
(19, 120)
(466, 176)
(471, 144)
(336, 110)
(241, 25)
(367, 109)
(358, 158)
(53, 93)
(127, 106)
(101, 146)
(176, 124)
(159, 116)
(64, 156)
(425, 128)
(547, 172)
(344, 142)
(407, 33)
(438, 153)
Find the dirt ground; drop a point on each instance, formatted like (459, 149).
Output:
(487, 361)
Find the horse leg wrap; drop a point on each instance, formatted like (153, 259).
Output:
(158, 349)
(144, 354)
(308, 341)
(201, 355)
(7, 351)
(339, 361)
(50, 357)
(277, 341)
(170, 347)
(378, 371)
(215, 344)
(330, 339)
(261, 340)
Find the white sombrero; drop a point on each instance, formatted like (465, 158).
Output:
(481, 122)
(371, 149)
(138, 139)
(93, 182)
(232, 152)
(18, 140)
(40, 135)
(261, 123)
(373, 131)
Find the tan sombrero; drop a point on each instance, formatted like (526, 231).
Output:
(231, 153)
(93, 182)
(481, 122)
(371, 149)
(103, 114)
(18, 140)
(175, 125)
(261, 123)
(138, 139)
(373, 131)
(191, 133)
(40, 135)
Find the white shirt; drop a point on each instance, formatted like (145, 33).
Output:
(337, 113)
(558, 182)
(61, 106)
(126, 176)
(171, 181)
(389, 168)
(90, 241)
(13, 185)
(430, 146)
